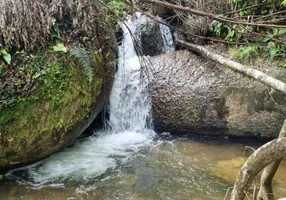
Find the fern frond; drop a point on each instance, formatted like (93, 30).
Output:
(84, 60)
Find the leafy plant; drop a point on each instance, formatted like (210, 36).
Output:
(55, 82)
(246, 53)
(6, 56)
(116, 10)
(56, 31)
(60, 48)
(272, 49)
(230, 33)
(83, 57)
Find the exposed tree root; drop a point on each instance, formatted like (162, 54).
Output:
(266, 192)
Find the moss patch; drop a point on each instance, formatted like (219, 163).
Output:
(43, 121)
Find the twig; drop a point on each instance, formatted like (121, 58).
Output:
(227, 193)
(272, 14)
(245, 148)
(273, 39)
(249, 7)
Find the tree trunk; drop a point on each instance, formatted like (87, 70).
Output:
(268, 153)
(253, 73)
(265, 191)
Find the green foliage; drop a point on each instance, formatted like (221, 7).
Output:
(274, 34)
(6, 56)
(116, 11)
(84, 59)
(60, 48)
(266, 41)
(259, 10)
(56, 31)
(246, 53)
(230, 33)
(55, 83)
(272, 50)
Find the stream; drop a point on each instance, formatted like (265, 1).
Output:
(127, 159)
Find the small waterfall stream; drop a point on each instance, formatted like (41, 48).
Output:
(128, 128)
(129, 101)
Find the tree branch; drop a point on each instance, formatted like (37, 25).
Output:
(268, 153)
(210, 15)
(266, 191)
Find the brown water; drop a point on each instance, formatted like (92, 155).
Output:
(172, 168)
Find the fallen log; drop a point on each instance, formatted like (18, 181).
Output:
(235, 66)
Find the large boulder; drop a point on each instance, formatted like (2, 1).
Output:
(56, 86)
(194, 95)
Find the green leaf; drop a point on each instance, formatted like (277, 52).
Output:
(265, 39)
(3, 52)
(282, 31)
(275, 32)
(283, 66)
(60, 48)
(7, 58)
(2, 69)
(271, 45)
(241, 13)
(273, 52)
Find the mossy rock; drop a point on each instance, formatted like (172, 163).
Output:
(63, 100)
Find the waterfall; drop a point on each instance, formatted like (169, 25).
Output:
(167, 39)
(130, 104)
(129, 101)
(128, 128)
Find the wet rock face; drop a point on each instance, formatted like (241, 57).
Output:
(35, 128)
(151, 39)
(192, 95)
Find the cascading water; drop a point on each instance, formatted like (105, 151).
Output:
(128, 129)
(129, 102)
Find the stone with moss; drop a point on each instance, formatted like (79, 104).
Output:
(58, 81)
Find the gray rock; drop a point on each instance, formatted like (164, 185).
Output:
(194, 95)
(151, 39)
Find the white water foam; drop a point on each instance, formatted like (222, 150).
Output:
(128, 129)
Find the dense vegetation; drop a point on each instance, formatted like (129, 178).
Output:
(235, 23)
